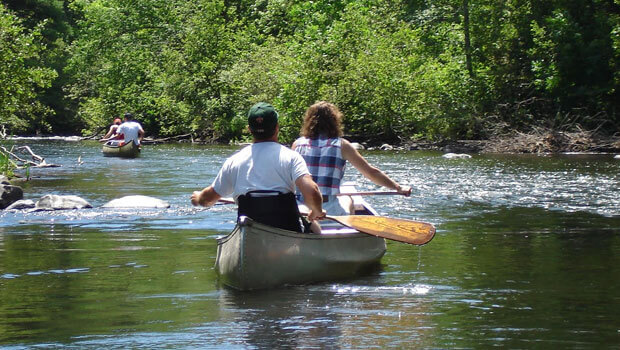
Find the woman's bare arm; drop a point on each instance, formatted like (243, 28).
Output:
(370, 172)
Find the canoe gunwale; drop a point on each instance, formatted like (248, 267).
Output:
(245, 221)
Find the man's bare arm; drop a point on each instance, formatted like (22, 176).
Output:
(312, 196)
(206, 198)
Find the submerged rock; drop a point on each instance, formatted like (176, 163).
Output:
(357, 146)
(56, 202)
(137, 202)
(21, 204)
(456, 155)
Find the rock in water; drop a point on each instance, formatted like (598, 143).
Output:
(56, 202)
(456, 155)
(357, 146)
(21, 204)
(137, 202)
(9, 194)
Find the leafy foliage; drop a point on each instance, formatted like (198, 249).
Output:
(397, 69)
(54, 23)
(21, 77)
(6, 166)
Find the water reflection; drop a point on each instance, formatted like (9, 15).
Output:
(330, 316)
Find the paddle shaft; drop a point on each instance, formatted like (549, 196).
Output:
(229, 200)
(371, 193)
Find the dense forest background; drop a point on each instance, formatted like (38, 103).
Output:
(399, 70)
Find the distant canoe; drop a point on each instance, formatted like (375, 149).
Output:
(128, 150)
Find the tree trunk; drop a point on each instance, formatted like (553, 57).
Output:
(467, 39)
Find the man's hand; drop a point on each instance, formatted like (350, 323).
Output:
(205, 198)
(195, 198)
(312, 215)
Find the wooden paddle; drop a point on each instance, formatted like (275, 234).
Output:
(400, 230)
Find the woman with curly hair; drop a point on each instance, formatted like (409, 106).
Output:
(326, 153)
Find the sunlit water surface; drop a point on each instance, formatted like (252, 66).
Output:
(527, 254)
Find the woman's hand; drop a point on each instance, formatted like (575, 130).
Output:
(405, 191)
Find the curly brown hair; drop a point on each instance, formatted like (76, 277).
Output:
(322, 118)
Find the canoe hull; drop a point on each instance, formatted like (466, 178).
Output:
(257, 256)
(128, 150)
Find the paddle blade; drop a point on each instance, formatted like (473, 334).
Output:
(401, 230)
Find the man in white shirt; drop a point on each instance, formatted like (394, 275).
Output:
(131, 129)
(262, 177)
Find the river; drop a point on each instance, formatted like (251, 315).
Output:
(527, 255)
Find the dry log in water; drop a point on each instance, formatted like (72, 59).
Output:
(37, 161)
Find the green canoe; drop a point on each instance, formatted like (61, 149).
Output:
(128, 150)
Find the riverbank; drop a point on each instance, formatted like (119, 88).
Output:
(537, 142)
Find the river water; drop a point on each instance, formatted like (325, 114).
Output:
(527, 254)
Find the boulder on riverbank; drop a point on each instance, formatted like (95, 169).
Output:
(136, 202)
(56, 202)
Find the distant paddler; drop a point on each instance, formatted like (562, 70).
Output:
(112, 135)
(132, 130)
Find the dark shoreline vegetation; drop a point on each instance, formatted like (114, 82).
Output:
(521, 76)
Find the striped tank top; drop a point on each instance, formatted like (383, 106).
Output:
(324, 159)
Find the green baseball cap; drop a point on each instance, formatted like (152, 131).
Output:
(262, 119)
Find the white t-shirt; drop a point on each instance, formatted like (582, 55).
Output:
(130, 131)
(260, 166)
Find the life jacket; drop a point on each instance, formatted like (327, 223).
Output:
(271, 208)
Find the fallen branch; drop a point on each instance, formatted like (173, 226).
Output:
(37, 161)
(35, 157)
(542, 140)
(166, 139)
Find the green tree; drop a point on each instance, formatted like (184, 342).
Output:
(574, 59)
(55, 23)
(160, 59)
(22, 77)
(398, 69)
